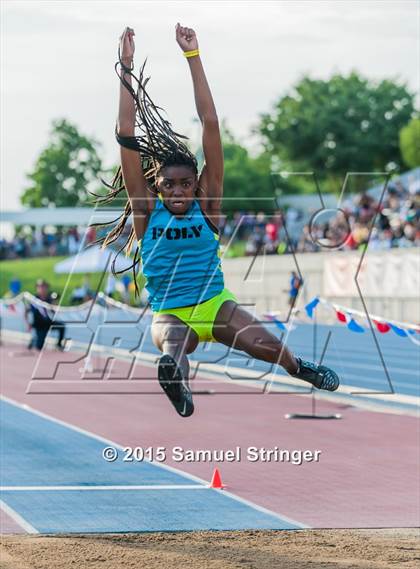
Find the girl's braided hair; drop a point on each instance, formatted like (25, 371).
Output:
(159, 146)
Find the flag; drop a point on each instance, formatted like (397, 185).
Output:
(382, 327)
(354, 326)
(279, 324)
(399, 331)
(341, 316)
(310, 307)
(269, 316)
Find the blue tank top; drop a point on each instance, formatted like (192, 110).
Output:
(180, 258)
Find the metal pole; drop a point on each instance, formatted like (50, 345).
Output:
(314, 350)
(314, 415)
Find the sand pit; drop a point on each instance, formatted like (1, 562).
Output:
(326, 549)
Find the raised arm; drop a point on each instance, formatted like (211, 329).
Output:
(141, 199)
(211, 177)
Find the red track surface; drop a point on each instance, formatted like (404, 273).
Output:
(367, 475)
(7, 525)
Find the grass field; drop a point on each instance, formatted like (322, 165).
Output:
(29, 270)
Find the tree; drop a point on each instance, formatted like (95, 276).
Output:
(340, 125)
(65, 170)
(247, 184)
(410, 143)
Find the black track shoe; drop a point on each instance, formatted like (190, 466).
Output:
(173, 384)
(321, 377)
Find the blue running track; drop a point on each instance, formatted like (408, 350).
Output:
(40, 452)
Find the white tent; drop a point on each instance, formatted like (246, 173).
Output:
(93, 260)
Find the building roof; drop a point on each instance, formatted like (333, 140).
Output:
(40, 216)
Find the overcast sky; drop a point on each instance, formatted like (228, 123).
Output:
(58, 61)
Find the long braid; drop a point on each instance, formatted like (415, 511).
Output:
(158, 145)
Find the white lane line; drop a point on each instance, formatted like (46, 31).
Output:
(204, 483)
(148, 487)
(251, 379)
(264, 510)
(17, 518)
(104, 487)
(247, 377)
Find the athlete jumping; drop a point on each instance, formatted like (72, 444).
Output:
(175, 212)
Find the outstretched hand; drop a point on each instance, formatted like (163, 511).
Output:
(186, 38)
(127, 45)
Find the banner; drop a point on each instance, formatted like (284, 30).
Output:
(396, 276)
(347, 316)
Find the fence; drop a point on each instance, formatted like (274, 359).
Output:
(389, 281)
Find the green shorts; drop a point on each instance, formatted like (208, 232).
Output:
(201, 317)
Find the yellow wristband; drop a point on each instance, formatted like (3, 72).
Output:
(192, 53)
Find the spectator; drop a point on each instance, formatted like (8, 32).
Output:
(126, 282)
(399, 213)
(41, 318)
(110, 287)
(308, 240)
(73, 240)
(15, 286)
(82, 293)
(295, 283)
(90, 235)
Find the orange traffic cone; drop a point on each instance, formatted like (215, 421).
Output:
(216, 480)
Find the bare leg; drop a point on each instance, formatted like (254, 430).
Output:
(236, 327)
(171, 336)
(175, 339)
